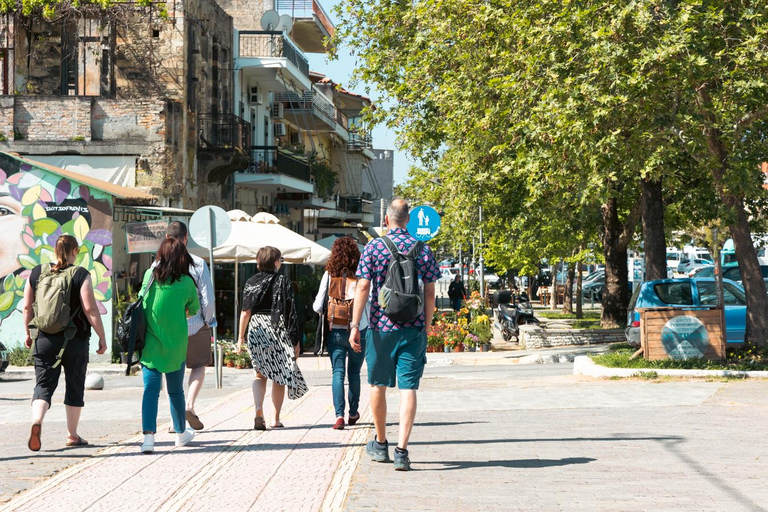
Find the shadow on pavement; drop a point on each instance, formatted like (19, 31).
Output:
(510, 464)
(555, 440)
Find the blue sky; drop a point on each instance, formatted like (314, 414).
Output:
(339, 71)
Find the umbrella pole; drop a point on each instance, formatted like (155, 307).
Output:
(237, 285)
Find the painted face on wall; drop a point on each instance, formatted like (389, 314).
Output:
(12, 224)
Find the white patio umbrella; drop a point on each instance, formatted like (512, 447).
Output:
(249, 234)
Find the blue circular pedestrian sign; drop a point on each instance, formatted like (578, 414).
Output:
(424, 223)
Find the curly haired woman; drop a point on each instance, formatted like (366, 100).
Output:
(339, 277)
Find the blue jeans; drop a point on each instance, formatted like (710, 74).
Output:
(152, 383)
(341, 351)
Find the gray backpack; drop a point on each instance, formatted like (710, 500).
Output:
(401, 297)
(52, 313)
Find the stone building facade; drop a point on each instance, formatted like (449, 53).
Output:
(151, 84)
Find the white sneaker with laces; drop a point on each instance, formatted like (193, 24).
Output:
(185, 437)
(149, 443)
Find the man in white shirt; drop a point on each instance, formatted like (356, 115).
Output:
(199, 325)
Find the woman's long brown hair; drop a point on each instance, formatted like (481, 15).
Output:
(344, 256)
(64, 247)
(173, 261)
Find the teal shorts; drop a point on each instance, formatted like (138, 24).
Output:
(396, 357)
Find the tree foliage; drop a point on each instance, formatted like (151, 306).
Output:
(548, 111)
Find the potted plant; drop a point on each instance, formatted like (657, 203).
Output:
(471, 342)
(240, 362)
(229, 360)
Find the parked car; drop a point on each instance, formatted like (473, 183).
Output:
(689, 292)
(686, 266)
(594, 288)
(3, 358)
(733, 272)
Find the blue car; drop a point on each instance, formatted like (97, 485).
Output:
(689, 292)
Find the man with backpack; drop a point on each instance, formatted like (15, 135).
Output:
(400, 274)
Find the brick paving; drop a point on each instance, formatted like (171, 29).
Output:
(227, 467)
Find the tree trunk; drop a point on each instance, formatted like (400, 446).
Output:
(615, 241)
(752, 278)
(579, 298)
(654, 241)
(568, 295)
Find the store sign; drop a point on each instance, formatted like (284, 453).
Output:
(145, 236)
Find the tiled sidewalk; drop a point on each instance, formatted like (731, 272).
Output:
(227, 466)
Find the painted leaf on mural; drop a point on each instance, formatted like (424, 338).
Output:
(8, 282)
(51, 239)
(31, 196)
(38, 212)
(99, 274)
(27, 261)
(45, 226)
(2, 176)
(63, 188)
(81, 228)
(100, 236)
(84, 259)
(6, 300)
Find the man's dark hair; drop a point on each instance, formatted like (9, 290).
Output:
(176, 229)
(267, 257)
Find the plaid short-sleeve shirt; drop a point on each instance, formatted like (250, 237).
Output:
(373, 266)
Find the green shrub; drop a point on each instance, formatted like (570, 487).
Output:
(20, 356)
(621, 359)
(646, 375)
(559, 315)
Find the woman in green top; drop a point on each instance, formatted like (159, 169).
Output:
(170, 295)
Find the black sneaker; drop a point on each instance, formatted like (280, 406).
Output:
(379, 452)
(402, 462)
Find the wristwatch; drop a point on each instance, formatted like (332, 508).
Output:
(354, 326)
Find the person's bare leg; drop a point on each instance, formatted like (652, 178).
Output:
(196, 379)
(39, 408)
(259, 388)
(407, 416)
(73, 419)
(278, 395)
(379, 411)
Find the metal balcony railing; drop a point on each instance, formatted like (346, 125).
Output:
(359, 141)
(306, 9)
(224, 131)
(260, 43)
(269, 160)
(308, 101)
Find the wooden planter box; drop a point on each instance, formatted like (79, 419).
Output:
(682, 333)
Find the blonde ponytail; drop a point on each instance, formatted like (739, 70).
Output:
(64, 246)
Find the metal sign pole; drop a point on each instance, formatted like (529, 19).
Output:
(216, 355)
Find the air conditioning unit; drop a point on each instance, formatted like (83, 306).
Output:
(255, 96)
(295, 138)
(277, 111)
(280, 130)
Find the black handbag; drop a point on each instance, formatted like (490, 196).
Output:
(132, 329)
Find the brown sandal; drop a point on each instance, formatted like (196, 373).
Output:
(259, 423)
(34, 442)
(77, 442)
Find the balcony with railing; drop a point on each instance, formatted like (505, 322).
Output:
(224, 142)
(271, 44)
(359, 141)
(309, 111)
(272, 168)
(311, 24)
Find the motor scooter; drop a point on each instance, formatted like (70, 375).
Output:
(513, 312)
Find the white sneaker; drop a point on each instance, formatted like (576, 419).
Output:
(149, 443)
(185, 437)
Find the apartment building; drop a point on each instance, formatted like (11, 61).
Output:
(136, 95)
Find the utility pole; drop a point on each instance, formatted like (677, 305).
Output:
(482, 261)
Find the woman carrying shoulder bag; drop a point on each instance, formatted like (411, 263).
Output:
(67, 348)
(169, 296)
(269, 324)
(337, 287)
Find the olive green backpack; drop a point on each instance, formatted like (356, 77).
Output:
(52, 313)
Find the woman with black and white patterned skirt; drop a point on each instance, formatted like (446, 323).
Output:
(269, 326)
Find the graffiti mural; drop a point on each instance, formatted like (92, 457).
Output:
(36, 207)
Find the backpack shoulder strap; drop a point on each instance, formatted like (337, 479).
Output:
(390, 245)
(416, 249)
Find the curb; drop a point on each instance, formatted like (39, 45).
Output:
(583, 365)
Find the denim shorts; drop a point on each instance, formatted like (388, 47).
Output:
(396, 357)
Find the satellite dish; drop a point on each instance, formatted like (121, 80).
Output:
(269, 20)
(285, 24)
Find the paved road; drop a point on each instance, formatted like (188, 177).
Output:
(490, 437)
